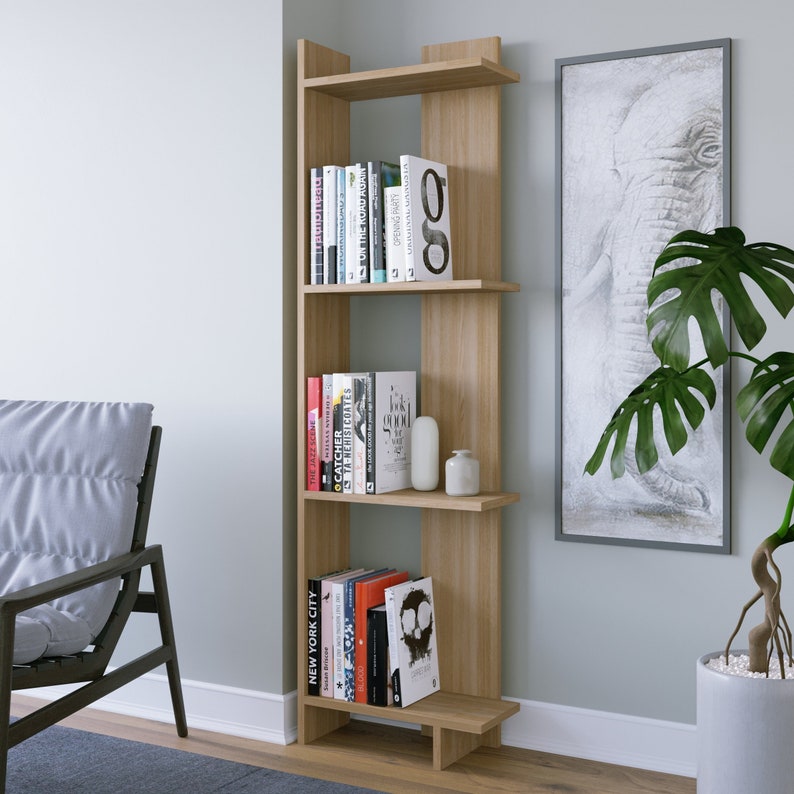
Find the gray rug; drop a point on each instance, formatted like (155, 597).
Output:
(67, 760)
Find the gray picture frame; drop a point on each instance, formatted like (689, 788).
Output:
(643, 152)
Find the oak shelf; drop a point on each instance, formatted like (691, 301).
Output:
(461, 73)
(460, 85)
(436, 500)
(459, 286)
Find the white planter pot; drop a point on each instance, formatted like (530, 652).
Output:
(745, 730)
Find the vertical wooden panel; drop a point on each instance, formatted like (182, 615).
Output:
(461, 377)
(323, 346)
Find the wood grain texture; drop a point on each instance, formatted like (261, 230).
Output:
(395, 760)
(461, 538)
(416, 79)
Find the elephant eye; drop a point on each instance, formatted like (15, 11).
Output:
(708, 152)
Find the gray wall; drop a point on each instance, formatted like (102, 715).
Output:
(599, 627)
(140, 251)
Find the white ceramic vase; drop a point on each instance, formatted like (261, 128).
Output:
(424, 454)
(462, 473)
(744, 731)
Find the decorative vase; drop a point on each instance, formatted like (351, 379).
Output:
(424, 454)
(462, 474)
(743, 725)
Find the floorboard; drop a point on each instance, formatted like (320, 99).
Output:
(394, 760)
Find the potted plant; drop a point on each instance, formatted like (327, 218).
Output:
(693, 267)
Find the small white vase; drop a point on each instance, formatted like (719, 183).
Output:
(424, 454)
(462, 474)
(743, 730)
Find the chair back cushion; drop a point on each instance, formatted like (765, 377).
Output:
(69, 473)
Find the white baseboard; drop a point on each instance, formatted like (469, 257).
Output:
(581, 733)
(603, 736)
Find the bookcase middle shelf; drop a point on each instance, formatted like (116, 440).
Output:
(437, 500)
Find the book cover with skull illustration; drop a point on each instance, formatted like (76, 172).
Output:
(411, 628)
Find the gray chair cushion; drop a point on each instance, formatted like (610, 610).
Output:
(68, 497)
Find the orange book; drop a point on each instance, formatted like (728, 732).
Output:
(369, 593)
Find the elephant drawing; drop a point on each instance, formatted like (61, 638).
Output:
(661, 171)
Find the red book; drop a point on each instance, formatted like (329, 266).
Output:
(369, 593)
(314, 388)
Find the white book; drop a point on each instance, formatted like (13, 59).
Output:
(393, 238)
(394, 415)
(426, 224)
(351, 224)
(341, 225)
(413, 647)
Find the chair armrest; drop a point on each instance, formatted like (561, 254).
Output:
(27, 597)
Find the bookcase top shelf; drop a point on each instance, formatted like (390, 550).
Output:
(454, 285)
(437, 499)
(422, 78)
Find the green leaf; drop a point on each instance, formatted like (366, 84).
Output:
(686, 291)
(762, 403)
(675, 393)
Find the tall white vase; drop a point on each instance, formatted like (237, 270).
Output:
(745, 728)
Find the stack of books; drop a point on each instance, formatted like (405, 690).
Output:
(377, 222)
(358, 431)
(372, 637)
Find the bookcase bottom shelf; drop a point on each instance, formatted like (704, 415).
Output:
(458, 723)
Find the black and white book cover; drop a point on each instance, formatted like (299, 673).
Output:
(426, 219)
(411, 628)
(395, 412)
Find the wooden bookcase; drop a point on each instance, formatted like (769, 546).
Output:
(460, 84)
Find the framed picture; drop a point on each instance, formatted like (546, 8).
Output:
(643, 141)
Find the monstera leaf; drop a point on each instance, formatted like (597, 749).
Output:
(761, 404)
(721, 259)
(674, 393)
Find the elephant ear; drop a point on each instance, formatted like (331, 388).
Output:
(674, 394)
(713, 263)
(762, 402)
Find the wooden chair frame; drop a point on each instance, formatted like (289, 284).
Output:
(90, 666)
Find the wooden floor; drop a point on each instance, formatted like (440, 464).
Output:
(390, 759)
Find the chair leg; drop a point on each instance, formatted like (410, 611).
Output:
(7, 629)
(167, 635)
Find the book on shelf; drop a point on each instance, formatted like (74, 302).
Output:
(330, 210)
(342, 637)
(326, 639)
(392, 234)
(357, 218)
(395, 412)
(426, 224)
(314, 386)
(379, 687)
(360, 432)
(411, 627)
(341, 241)
(369, 434)
(327, 433)
(338, 391)
(380, 174)
(316, 225)
(369, 593)
(348, 430)
(314, 631)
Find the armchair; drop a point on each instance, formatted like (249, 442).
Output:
(76, 483)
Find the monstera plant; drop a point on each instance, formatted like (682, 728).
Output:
(691, 269)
